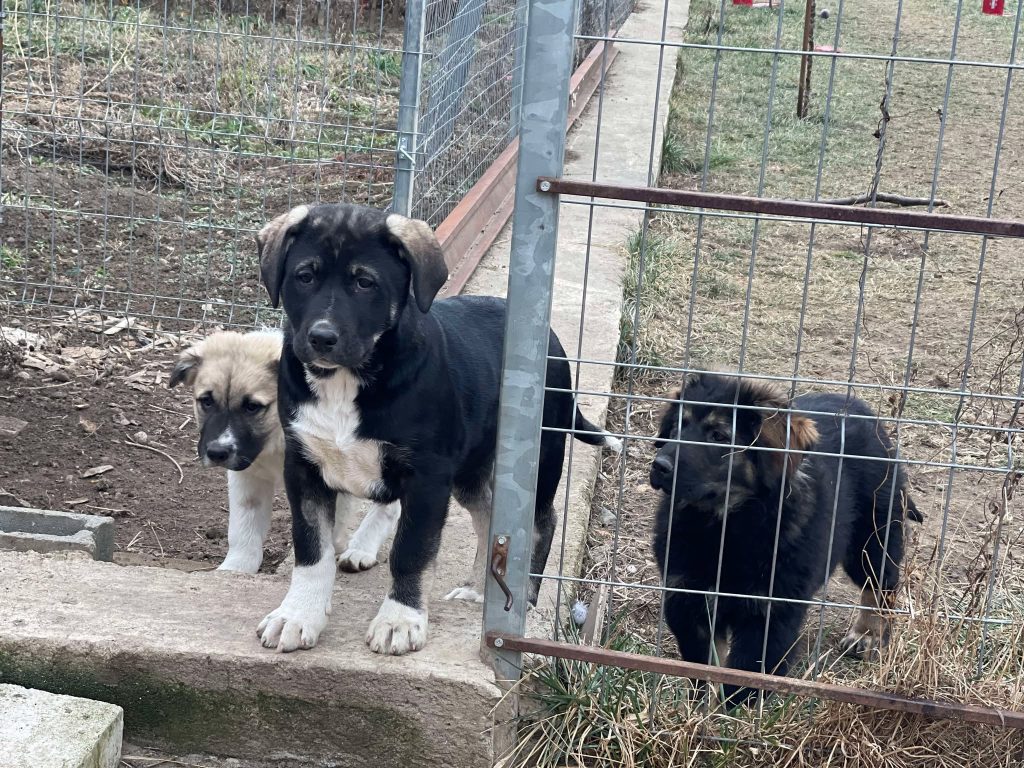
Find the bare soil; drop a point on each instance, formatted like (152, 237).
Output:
(85, 401)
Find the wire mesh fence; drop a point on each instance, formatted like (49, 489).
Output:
(471, 82)
(144, 144)
(911, 105)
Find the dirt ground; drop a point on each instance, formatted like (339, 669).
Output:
(94, 401)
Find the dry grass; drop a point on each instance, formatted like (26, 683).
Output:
(581, 715)
(191, 102)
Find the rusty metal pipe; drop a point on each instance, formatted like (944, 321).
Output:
(885, 217)
(811, 688)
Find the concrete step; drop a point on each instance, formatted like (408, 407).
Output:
(25, 529)
(45, 730)
(178, 651)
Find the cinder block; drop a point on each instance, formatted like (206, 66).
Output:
(47, 530)
(45, 730)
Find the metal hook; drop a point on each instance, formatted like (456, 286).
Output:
(499, 562)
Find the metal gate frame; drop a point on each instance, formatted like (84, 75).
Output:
(531, 272)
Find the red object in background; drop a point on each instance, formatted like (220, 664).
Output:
(993, 7)
(751, 2)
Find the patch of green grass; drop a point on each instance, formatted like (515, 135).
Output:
(11, 258)
(387, 63)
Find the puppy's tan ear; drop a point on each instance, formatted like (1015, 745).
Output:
(272, 243)
(187, 367)
(669, 417)
(803, 434)
(418, 245)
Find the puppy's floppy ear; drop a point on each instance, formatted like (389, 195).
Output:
(187, 367)
(803, 434)
(418, 245)
(272, 243)
(669, 418)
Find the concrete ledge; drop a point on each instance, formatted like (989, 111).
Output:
(179, 653)
(44, 730)
(47, 530)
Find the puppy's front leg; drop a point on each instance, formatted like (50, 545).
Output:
(250, 502)
(379, 523)
(302, 616)
(401, 623)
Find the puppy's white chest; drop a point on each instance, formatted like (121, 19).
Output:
(327, 428)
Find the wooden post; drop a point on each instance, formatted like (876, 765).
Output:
(803, 96)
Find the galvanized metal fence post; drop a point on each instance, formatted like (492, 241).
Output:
(409, 107)
(522, 20)
(548, 62)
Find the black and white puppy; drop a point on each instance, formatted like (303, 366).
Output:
(386, 395)
(233, 377)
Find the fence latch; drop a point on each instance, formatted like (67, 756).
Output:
(499, 566)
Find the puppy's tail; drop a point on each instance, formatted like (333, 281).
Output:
(913, 513)
(591, 434)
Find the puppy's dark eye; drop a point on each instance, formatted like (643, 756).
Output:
(718, 436)
(205, 401)
(365, 283)
(252, 407)
(305, 276)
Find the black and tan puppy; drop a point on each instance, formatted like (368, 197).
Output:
(233, 377)
(390, 396)
(746, 477)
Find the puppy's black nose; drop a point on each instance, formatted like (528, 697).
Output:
(322, 336)
(661, 471)
(217, 452)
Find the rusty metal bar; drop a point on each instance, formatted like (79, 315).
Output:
(673, 667)
(885, 217)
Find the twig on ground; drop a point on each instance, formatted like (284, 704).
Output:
(181, 474)
(44, 386)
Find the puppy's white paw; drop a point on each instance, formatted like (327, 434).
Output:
(354, 560)
(241, 563)
(465, 593)
(289, 629)
(397, 629)
(612, 443)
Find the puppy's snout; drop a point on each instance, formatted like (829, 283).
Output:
(661, 472)
(218, 452)
(323, 336)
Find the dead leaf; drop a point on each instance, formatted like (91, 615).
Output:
(94, 471)
(8, 499)
(91, 353)
(119, 325)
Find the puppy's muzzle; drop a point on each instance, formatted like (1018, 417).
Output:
(323, 337)
(220, 453)
(661, 473)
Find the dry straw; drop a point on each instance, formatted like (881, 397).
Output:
(584, 715)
